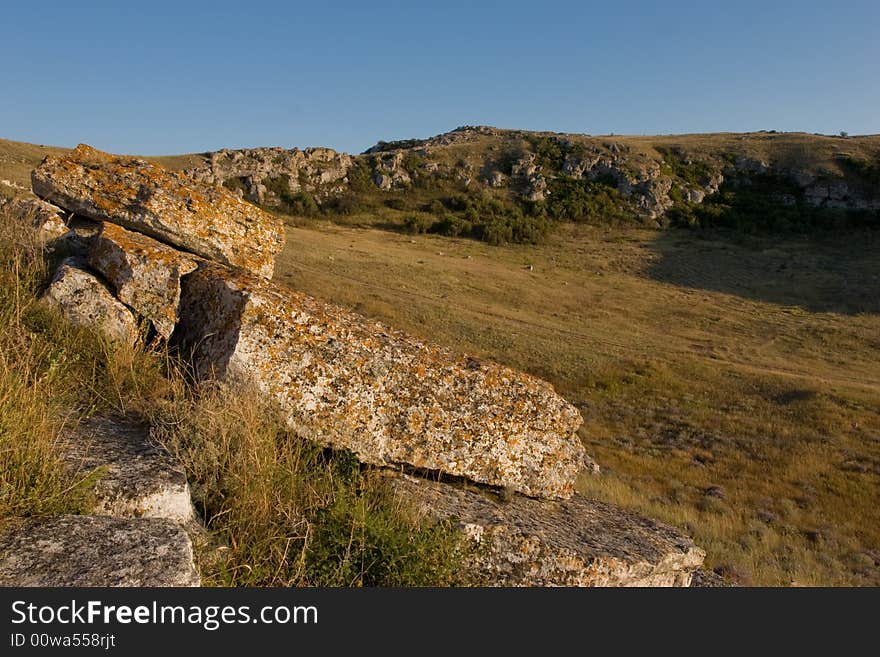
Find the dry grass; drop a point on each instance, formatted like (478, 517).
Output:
(722, 392)
(36, 397)
(730, 387)
(289, 513)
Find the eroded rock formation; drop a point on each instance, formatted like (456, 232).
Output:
(202, 219)
(137, 477)
(144, 272)
(577, 542)
(348, 382)
(96, 551)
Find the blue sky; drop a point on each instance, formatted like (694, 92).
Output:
(160, 78)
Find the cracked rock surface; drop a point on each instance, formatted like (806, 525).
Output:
(576, 542)
(144, 272)
(85, 300)
(205, 220)
(137, 477)
(345, 381)
(96, 551)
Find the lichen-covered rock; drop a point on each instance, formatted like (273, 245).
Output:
(144, 272)
(137, 478)
(85, 300)
(136, 194)
(576, 542)
(96, 551)
(348, 382)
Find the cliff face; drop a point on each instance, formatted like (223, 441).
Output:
(578, 177)
(267, 175)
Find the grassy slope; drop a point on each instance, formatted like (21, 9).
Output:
(288, 513)
(724, 377)
(729, 387)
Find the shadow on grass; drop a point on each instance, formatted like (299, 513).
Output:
(823, 272)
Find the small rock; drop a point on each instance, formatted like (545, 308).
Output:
(45, 218)
(86, 301)
(138, 478)
(714, 491)
(145, 273)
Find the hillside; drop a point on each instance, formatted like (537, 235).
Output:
(729, 382)
(515, 186)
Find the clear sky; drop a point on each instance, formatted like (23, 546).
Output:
(159, 77)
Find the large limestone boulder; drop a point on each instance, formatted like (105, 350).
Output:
(577, 542)
(96, 551)
(144, 272)
(137, 478)
(348, 382)
(136, 194)
(85, 300)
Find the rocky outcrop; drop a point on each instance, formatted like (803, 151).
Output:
(86, 301)
(144, 273)
(351, 383)
(262, 173)
(203, 219)
(526, 175)
(651, 176)
(576, 542)
(339, 379)
(390, 172)
(96, 551)
(136, 477)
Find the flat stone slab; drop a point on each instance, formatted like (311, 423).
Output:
(84, 300)
(348, 382)
(144, 197)
(138, 478)
(144, 272)
(576, 542)
(96, 551)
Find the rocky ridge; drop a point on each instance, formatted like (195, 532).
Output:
(651, 177)
(340, 380)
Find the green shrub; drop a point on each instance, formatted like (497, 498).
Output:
(453, 225)
(416, 224)
(693, 172)
(579, 200)
(758, 207)
(301, 203)
(396, 203)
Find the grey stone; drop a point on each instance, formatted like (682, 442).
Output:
(166, 205)
(137, 476)
(576, 542)
(144, 272)
(96, 551)
(348, 382)
(85, 300)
